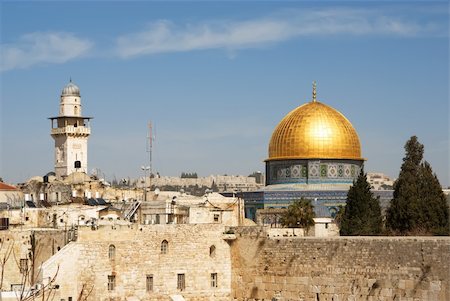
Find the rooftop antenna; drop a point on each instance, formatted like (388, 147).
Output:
(314, 91)
(149, 149)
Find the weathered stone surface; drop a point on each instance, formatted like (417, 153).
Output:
(343, 268)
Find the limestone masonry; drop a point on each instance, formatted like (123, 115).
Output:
(216, 264)
(339, 269)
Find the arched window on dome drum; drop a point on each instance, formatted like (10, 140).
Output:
(112, 252)
(212, 251)
(164, 247)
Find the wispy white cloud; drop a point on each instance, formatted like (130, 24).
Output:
(42, 47)
(164, 36)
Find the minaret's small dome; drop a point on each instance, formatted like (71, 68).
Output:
(70, 90)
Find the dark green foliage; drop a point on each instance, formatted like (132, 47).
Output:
(434, 211)
(362, 214)
(419, 206)
(299, 214)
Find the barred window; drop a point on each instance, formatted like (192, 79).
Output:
(164, 247)
(112, 252)
(111, 282)
(180, 282)
(214, 280)
(23, 265)
(149, 283)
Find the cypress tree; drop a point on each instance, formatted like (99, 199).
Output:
(434, 211)
(419, 205)
(362, 214)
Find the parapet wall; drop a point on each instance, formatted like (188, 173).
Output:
(338, 269)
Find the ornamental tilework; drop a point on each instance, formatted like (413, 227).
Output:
(287, 172)
(296, 171)
(304, 171)
(340, 171)
(347, 171)
(313, 168)
(332, 171)
(323, 170)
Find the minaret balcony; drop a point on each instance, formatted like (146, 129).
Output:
(72, 130)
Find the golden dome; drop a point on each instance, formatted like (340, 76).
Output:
(314, 131)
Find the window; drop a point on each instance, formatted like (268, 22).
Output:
(112, 252)
(216, 218)
(149, 283)
(326, 225)
(164, 247)
(213, 279)
(16, 287)
(212, 251)
(23, 265)
(75, 109)
(180, 282)
(69, 299)
(111, 282)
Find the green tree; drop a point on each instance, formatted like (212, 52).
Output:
(403, 212)
(299, 214)
(362, 214)
(433, 206)
(419, 205)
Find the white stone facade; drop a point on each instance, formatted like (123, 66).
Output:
(70, 130)
(195, 251)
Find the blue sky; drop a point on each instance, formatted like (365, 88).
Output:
(215, 78)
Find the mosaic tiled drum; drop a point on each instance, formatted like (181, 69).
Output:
(313, 144)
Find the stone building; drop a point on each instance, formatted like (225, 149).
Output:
(10, 196)
(206, 262)
(144, 262)
(380, 181)
(71, 132)
(222, 182)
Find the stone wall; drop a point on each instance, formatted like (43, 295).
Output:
(17, 244)
(339, 269)
(138, 254)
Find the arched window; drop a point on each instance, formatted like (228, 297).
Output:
(164, 247)
(112, 252)
(212, 251)
(75, 110)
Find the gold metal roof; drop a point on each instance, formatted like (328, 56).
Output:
(314, 131)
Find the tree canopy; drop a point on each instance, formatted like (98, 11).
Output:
(362, 214)
(299, 214)
(419, 206)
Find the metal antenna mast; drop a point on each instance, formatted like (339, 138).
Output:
(149, 150)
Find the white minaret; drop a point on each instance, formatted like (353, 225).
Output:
(70, 131)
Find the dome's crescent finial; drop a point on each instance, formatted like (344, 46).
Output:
(314, 91)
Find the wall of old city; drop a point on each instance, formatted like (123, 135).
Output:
(86, 263)
(17, 244)
(338, 269)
